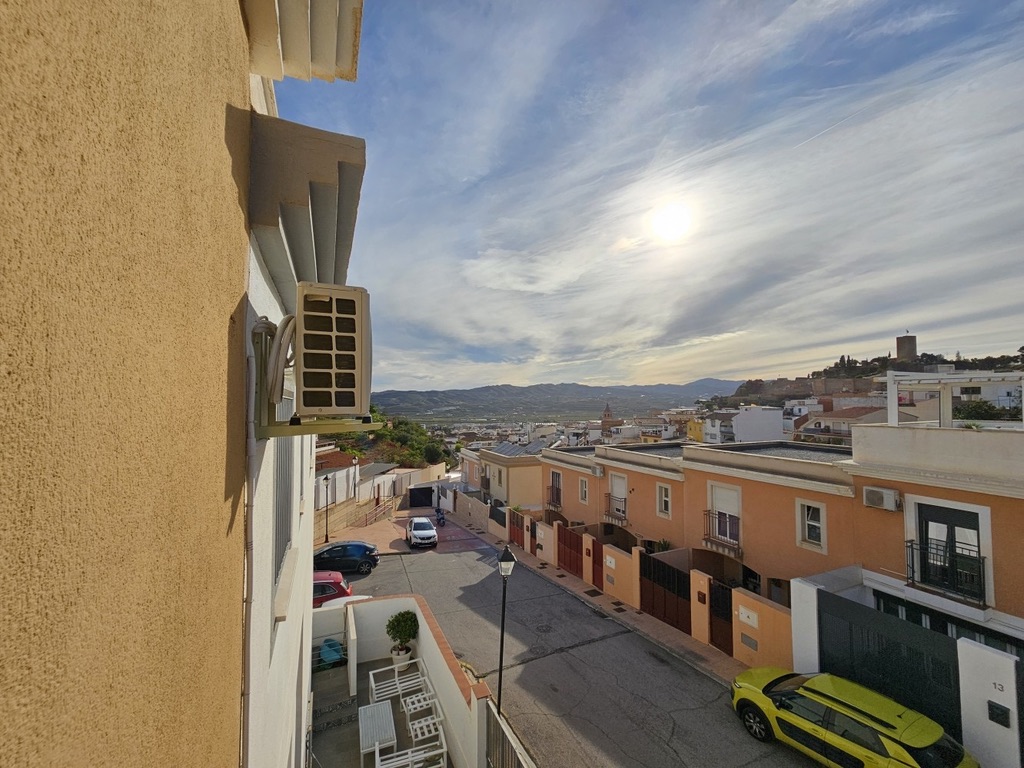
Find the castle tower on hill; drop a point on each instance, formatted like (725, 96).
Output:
(906, 347)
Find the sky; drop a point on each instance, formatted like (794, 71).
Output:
(614, 192)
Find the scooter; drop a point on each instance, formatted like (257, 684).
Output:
(439, 514)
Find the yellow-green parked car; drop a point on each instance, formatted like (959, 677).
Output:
(840, 723)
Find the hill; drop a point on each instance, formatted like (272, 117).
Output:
(545, 402)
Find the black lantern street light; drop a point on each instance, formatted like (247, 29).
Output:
(327, 509)
(506, 562)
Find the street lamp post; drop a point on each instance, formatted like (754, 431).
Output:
(506, 562)
(327, 509)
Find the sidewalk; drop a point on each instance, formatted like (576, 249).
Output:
(389, 537)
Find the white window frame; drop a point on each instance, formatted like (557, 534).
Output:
(712, 484)
(500, 476)
(664, 493)
(802, 538)
(584, 490)
(984, 513)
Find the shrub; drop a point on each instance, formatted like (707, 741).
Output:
(402, 628)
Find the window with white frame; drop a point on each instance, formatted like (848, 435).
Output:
(664, 501)
(811, 530)
(724, 512)
(584, 489)
(499, 477)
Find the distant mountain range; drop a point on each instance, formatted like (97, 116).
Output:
(545, 402)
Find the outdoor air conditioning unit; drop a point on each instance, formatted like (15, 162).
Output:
(333, 351)
(882, 498)
(597, 470)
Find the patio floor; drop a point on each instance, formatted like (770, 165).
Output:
(336, 716)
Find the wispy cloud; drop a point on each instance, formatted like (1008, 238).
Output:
(908, 23)
(515, 155)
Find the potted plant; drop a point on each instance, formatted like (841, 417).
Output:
(402, 628)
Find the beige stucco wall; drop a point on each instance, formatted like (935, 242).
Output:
(124, 170)
(762, 623)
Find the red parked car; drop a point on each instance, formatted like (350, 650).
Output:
(328, 585)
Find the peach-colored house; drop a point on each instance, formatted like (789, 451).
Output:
(471, 468)
(630, 495)
(511, 474)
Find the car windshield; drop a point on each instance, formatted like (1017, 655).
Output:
(422, 527)
(944, 753)
(786, 683)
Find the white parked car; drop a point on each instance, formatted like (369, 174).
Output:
(420, 532)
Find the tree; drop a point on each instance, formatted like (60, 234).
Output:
(433, 453)
(978, 410)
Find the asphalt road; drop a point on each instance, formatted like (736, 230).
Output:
(579, 689)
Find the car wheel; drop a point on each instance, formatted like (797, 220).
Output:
(756, 723)
(364, 567)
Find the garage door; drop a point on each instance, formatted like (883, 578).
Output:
(421, 497)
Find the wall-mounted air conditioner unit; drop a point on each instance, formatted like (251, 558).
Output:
(882, 498)
(333, 350)
(597, 470)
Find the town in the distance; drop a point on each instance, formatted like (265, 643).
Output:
(821, 407)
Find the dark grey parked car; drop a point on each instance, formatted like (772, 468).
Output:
(346, 556)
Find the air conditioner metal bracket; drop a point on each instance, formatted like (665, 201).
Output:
(268, 426)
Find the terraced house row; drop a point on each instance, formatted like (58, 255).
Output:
(895, 563)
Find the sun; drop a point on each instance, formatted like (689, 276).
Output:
(671, 222)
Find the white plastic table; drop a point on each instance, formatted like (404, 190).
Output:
(376, 727)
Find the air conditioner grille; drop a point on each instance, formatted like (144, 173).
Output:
(881, 498)
(333, 355)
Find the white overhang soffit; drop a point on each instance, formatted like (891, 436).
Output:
(304, 38)
(304, 187)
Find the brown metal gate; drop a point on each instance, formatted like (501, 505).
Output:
(721, 616)
(570, 551)
(515, 528)
(665, 592)
(599, 565)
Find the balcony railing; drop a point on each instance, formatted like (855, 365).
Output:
(554, 498)
(722, 533)
(958, 571)
(614, 510)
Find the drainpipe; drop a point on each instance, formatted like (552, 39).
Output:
(250, 492)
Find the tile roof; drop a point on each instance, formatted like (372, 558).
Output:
(334, 460)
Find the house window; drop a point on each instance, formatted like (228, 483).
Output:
(499, 477)
(810, 525)
(950, 551)
(584, 489)
(725, 513)
(664, 501)
(555, 490)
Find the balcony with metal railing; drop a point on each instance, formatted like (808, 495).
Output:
(553, 498)
(615, 510)
(722, 533)
(957, 571)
